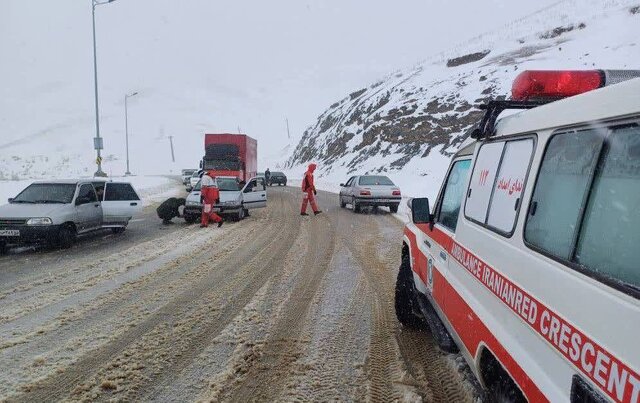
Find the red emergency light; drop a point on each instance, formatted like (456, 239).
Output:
(546, 84)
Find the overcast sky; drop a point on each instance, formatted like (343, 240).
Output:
(251, 62)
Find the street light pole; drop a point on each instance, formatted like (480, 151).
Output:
(97, 141)
(126, 128)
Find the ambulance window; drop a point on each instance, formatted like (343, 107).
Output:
(507, 190)
(609, 237)
(563, 182)
(482, 180)
(453, 193)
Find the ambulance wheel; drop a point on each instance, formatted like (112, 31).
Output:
(500, 387)
(342, 203)
(405, 301)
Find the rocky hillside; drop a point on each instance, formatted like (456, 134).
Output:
(412, 119)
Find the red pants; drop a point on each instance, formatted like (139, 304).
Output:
(308, 197)
(209, 199)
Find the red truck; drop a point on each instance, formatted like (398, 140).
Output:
(229, 154)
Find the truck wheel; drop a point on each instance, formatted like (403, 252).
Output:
(393, 208)
(405, 301)
(342, 203)
(356, 207)
(66, 237)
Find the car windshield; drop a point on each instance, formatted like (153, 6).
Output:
(375, 180)
(224, 184)
(195, 174)
(188, 172)
(46, 193)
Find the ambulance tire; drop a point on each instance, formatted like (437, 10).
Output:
(405, 300)
(500, 387)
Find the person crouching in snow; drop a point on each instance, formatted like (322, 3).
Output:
(170, 208)
(210, 195)
(309, 192)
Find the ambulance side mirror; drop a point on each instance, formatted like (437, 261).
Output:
(420, 211)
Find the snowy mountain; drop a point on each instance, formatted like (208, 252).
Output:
(409, 123)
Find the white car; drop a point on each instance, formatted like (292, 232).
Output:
(234, 200)
(57, 211)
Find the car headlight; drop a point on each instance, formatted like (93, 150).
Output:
(192, 203)
(39, 221)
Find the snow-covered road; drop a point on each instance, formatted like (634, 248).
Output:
(275, 308)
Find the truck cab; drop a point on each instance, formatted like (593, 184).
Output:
(526, 263)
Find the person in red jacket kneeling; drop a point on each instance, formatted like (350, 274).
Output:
(309, 192)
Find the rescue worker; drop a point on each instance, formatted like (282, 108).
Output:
(170, 208)
(210, 195)
(267, 177)
(309, 191)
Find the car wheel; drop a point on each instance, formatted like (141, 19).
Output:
(66, 237)
(190, 219)
(393, 208)
(240, 214)
(4, 249)
(342, 203)
(118, 230)
(405, 301)
(356, 207)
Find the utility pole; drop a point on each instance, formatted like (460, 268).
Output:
(288, 134)
(173, 157)
(239, 132)
(97, 141)
(126, 129)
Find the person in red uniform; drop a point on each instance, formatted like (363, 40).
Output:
(309, 192)
(210, 195)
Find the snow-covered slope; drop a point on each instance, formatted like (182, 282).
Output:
(408, 124)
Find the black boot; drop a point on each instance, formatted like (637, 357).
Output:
(220, 224)
(304, 214)
(317, 212)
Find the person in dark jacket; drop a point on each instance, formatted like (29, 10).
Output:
(267, 176)
(170, 208)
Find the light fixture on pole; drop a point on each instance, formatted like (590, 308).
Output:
(97, 141)
(126, 128)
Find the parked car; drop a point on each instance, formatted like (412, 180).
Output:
(57, 211)
(370, 190)
(194, 179)
(278, 178)
(235, 199)
(186, 175)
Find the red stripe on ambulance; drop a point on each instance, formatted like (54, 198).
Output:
(619, 381)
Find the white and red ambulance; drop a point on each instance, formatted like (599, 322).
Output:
(528, 262)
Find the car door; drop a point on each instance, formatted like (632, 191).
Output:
(344, 191)
(433, 243)
(350, 189)
(120, 203)
(88, 209)
(254, 194)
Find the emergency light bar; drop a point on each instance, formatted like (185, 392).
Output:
(557, 84)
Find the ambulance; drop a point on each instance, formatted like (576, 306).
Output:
(528, 261)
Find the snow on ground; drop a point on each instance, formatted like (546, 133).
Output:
(150, 188)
